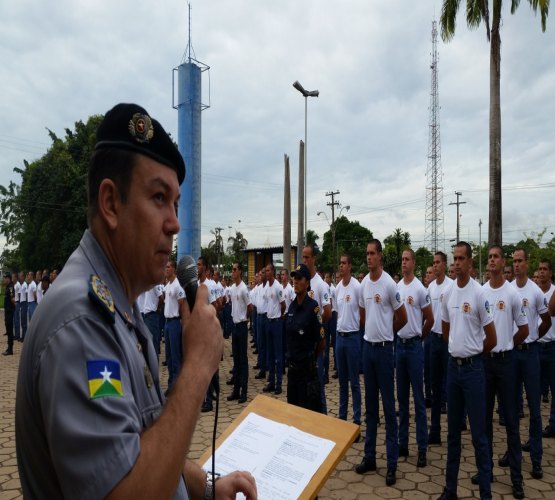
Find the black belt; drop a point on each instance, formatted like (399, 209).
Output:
(274, 319)
(439, 334)
(240, 322)
(262, 314)
(497, 355)
(466, 361)
(410, 340)
(303, 363)
(379, 344)
(524, 346)
(150, 312)
(172, 319)
(347, 334)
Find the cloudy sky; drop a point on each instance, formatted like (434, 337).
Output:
(367, 132)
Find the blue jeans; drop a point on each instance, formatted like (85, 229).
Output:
(439, 356)
(16, 322)
(275, 352)
(410, 372)
(23, 314)
(173, 338)
(347, 353)
(528, 372)
(329, 329)
(262, 321)
(466, 388)
(31, 306)
(501, 379)
(378, 379)
(240, 358)
(427, 367)
(153, 324)
(321, 378)
(547, 355)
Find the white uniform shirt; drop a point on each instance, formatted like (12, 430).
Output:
(333, 298)
(467, 312)
(534, 303)
(380, 300)
(174, 292)
(218, 289)
(274, 298)
(288, 295)
(506, 307)
(31, 291)
(23, 292)
(39, 292)
(319, 291)
(254, 296)
(240, 299)
(348, 312)
(17, 290)
(151, 298)
(262, 301)
(211, 289)
(550, 335)
(415, 297)
(436, 293)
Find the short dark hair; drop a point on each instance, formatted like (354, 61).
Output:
(204, 260)
(272, 267)
(548, 262)
(466, 246)
(500, 248)
(442, 256)
(411, 251)
(314, 250)
(377, 243)
(348, 257)
(239, 266)
(523, 250)
(114, 164)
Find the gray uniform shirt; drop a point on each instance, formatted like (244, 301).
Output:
(74, 438)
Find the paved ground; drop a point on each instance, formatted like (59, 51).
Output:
(344, 484)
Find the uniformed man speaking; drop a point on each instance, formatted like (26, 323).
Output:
(91, 421)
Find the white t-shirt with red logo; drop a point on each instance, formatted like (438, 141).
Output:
(415, 297)
(347, 299)
(534, 304)
(437, 292)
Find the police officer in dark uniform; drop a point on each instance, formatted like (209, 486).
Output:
(305, 340)
(9, 308)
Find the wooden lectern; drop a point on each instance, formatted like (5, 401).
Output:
(342, 433)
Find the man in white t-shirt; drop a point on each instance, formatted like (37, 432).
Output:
(469, 331)
(410, 356)
(241, 309)
(385, 315)
(31, 294)
(17, 312)
(319, 291)
(499, 363)
(528, 354)
(547, 344)
(330, 328)
(23, 304)
(174, 302)
(350, 320)
(152, 300)
(439, 354)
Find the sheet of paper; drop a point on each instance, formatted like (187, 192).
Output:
(282, 459)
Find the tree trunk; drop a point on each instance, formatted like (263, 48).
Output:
(495, 205)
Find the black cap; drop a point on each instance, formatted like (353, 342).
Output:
(46, 278)
(301, 272)
(8, 275)
(128, 126)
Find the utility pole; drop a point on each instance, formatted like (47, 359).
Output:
(457, 194)
(480, 252)
(333, 204)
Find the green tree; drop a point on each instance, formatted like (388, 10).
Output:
(236, 246)
(351, 238)
(424, 259)
(393, 247)
(476, 12)
(44, 218)
(311, 237)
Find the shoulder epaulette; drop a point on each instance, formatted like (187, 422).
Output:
(101, 296)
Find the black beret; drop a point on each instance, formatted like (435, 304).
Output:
(128, 126)
(301, 272)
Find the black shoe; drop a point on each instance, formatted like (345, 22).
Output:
(335, 375)
(256, 367)
(206, 407)
(537, 472)
(548, 432)
(475, 479)
(326, 379)
(391, 476)
(260, 375)
(504, 460)
(545, 398)
(444, 409)
(434, 440)
(526, 446)
(518, 490)
(230, 381)
(234, 396)
(403, 451)
(428, 402)
(242, 397)
(521, 414)
(447, 495)
(255, 351)
(7, 352)
(164, 363)
(268, 388)
(366, 465)
(421, 462)
(464, 426)
(278, 391)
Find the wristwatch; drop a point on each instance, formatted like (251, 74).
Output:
(210, 482)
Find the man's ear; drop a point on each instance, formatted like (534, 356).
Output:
(109, 203)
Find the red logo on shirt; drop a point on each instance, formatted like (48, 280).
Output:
(410, 300)
(466, 308)
(377, 298)
(525, 302)
(501, 305)
(347, 298)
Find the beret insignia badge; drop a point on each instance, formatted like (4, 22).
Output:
(140, 127)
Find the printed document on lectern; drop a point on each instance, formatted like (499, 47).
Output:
(282, 459)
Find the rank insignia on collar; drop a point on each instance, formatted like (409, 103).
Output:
(101, 296)
(140, 127)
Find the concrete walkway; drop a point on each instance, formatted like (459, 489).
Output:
(344, 484)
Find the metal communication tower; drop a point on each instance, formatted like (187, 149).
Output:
(434, 238)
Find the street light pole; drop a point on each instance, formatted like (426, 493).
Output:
(306, 94)
(480, 252)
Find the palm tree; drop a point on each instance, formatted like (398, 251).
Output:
(477, 11)
(236, 245)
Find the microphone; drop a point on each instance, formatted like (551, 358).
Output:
(187, 275)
